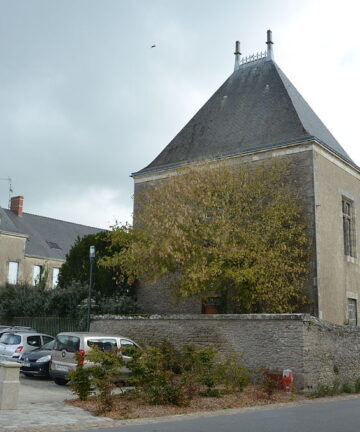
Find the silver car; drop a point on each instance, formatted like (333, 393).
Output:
(13, 344)
(67, 344)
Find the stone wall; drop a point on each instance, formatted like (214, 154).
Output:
(331, 353)
(316, 351)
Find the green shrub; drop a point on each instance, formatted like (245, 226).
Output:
(167, 375)
(117, 305)
(22, 300)
(80, 379)
(105, 374)
(156, 375)
(28, 300)
(357, 385)
(233, 374)
(347, 388)
(327, 390)
(102, 375)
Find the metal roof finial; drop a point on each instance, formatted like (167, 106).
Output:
(237, 55)
(269, 43)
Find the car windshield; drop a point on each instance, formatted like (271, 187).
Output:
(48, 346)
(10, 339)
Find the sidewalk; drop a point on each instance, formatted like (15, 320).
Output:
(41, 408)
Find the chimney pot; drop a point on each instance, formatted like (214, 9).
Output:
(16, 205)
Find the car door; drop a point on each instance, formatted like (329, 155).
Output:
(63, 353)
(33, 342)
(124, 344)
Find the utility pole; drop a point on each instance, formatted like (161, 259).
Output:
(92, 258)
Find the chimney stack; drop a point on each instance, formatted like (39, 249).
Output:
(269, 43)
(237, 55)
(16, 205)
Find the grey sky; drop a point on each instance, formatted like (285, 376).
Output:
(85, 101)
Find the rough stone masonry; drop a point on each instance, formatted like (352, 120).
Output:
(317, 351)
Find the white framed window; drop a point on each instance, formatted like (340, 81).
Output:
(37, 270)
(55, 277)
(13, 272)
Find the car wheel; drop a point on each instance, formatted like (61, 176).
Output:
(60, 381)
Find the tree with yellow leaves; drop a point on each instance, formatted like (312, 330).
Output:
(234, 232)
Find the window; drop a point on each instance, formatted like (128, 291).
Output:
(67, 343)
(47, 339)
(127, 349)
(126, 343)
(53, 245)
(102, 344)
(55, 277)
(13, 272)
(34, 341)
(10, 339)
(37, 270)
(352, 312)
(349, 227)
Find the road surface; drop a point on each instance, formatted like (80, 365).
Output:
(333, 416)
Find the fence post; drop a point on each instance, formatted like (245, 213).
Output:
(9, 385)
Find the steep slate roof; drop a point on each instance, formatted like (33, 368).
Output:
(47, 238)
(257, 108)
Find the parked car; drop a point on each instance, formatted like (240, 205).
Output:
(13, 344)
(37, 362)
(67, 344)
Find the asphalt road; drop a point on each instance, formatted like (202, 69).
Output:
(334, 416)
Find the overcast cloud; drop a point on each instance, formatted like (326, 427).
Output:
(85, 101)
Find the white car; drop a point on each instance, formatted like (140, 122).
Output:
(13, 344)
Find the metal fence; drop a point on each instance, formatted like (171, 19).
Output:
(49, 324)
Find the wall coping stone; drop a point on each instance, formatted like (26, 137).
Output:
(209, 317)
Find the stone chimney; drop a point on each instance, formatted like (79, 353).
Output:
(16, 205)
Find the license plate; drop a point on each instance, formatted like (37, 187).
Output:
(26, 364)
(61, 368)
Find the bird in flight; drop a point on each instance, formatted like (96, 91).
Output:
(153, 46)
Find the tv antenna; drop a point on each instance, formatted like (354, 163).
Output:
(10, 187)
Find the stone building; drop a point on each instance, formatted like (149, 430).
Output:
(32, 246)
(255, 116)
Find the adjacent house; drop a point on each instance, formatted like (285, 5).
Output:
(257, 115)
(32, 246)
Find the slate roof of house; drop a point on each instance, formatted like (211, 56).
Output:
(47, 237)
(257, 108)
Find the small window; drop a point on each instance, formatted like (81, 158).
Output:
(128, 348)
(349, 227)
(47, 339)
(37, 271)
(53, 245)
(13, 272)
(34, 341)
(126, 343)
(67, 343)
(10, 339)
(102, 344)
(55, 277)
(352, 312)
